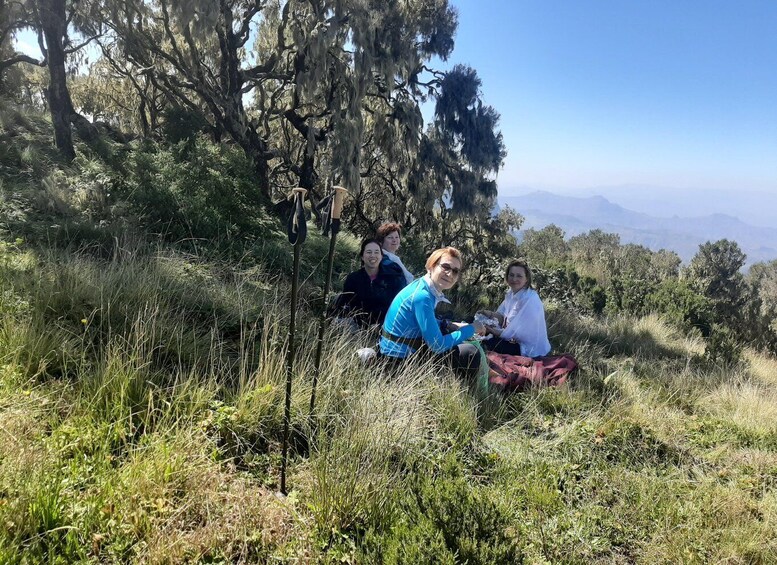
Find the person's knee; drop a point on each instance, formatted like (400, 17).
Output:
(469, 356)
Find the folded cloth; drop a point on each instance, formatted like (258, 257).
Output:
(515, 372)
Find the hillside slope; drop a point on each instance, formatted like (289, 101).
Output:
(141, 401)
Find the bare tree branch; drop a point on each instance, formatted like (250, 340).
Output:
(82, 45)
(21, 58)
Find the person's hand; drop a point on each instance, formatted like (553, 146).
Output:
(453, 326)
(480, 329)
(495, 331)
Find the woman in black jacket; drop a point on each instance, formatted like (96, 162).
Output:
(368, 292)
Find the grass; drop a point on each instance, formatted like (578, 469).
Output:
(141, 418)
(151, 433)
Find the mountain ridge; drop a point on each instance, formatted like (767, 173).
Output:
(679, 233)
(757, 208)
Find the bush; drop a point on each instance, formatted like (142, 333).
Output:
(682, 305)
(448, 520)
(198, 191)
(182, 124)
(629, 294)
(723, 347)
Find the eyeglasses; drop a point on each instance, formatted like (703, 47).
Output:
(450, 269)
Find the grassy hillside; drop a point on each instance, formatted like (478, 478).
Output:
(141, 400)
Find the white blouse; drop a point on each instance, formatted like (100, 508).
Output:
(525, 322)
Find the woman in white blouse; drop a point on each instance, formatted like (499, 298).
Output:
(522, 329)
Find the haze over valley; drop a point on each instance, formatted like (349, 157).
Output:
(658, 218)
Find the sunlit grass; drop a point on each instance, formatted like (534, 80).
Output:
(141, 418)
(750, 406)
(762, 367)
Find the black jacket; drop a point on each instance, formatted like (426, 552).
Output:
(366, 300)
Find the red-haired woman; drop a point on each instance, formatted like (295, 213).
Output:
(410, 322)
(390, 236)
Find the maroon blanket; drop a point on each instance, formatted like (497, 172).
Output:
(513, 372)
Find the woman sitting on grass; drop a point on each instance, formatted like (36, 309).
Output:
(522, 329)
(389, 235)
(368, 292)
(410, 322)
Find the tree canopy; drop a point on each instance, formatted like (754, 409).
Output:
(311, 91)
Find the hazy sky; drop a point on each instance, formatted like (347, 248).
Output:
(602, 92)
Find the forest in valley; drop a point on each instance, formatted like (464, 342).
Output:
(145, 161)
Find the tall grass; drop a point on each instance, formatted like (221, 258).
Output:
(141, 406)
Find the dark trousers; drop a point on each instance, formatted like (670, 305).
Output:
(463, 358)
(502, 346)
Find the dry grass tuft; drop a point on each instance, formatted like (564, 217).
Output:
(750, 406)
(187, 507)
(762, 367)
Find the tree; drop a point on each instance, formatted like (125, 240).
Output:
(113, 93)
(53, 26)
(593, 254)
(545, 247)
(429, 181)
(313, 68)
(13, 19)
(763, 278)
(665, 264)
(761, 312)
(632, 279)
(714, 273)
(51, 19)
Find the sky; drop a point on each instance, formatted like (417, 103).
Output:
(596, 93)
(612, 92)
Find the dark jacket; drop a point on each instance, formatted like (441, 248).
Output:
(368, 301)
(392, 268)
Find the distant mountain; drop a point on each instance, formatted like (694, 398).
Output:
(753, 207)
(576, 215)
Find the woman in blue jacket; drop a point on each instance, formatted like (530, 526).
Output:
(410, 322)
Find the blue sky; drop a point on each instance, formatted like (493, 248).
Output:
(609, 92)
(597, 93)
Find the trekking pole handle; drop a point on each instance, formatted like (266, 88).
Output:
(337, 205)
(295, 191)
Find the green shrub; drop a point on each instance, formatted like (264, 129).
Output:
(590, 295)
(446, 519)
(682, 305)
(182, 124)
(629, 294)
(204, 192)
(723, 347)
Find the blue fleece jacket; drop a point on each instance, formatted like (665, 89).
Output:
(411, 315)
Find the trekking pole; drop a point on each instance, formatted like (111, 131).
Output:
(298, 230)
(331, 219)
